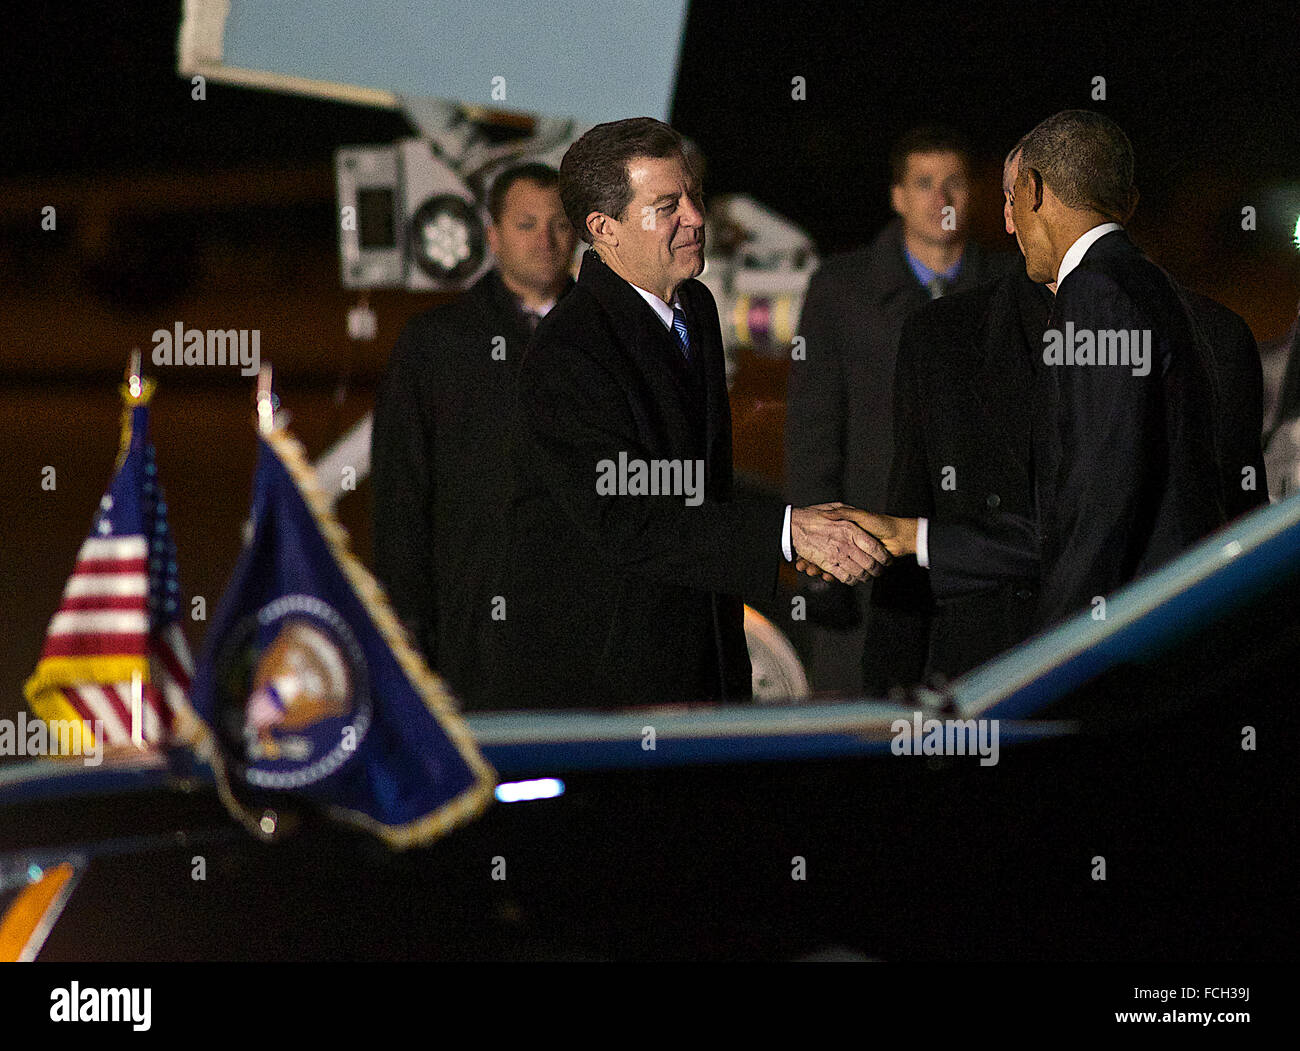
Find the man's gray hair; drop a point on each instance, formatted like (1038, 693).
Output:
(1011, 156)
(1086, 160)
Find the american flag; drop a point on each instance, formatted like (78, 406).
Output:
(117, 629)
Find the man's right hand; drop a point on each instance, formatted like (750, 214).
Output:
(836, 544)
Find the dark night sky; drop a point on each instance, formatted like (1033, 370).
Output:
(1217, 91)
(92, 88)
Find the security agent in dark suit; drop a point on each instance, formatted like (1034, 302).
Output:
(438, 447)
(615, 595)
(839, 419)
(1238, 389)
(1134, 459)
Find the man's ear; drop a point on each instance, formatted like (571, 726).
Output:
(494, 239)
(896, 198)
(602, 229)
(1034, 179)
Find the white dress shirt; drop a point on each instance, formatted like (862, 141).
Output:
(1075, 253)
(661, 308)
(665, 313)
(1072, 258)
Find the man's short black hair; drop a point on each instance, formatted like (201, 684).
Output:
(1086, 160)
(593, 174)
(928, 138)
(542, 175)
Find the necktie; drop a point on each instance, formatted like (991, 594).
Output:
(532, 318)
(683, 336)
(937, 286)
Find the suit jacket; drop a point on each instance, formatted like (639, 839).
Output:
(962, 443)
(1238, 374)
(619, 599)
(438, 452)
(839, 431)
(1129, 469)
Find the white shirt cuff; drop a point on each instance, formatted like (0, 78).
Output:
(786, 548)
(923, 543)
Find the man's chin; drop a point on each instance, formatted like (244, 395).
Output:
(946, 238)
(547, 279)
(692, 261)
(1038, 273)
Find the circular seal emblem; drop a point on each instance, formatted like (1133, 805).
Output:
(295, 703)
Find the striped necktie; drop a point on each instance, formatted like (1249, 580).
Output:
(683, 336)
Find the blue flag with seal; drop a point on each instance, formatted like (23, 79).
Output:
(310, 688)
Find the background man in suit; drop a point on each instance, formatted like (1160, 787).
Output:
(839, 419)
(438, 447)
(613, 596)
(1132, 461)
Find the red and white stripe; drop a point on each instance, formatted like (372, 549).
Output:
(104, 613)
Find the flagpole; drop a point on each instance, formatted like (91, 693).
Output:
(134, 386)
(265, 403)
(134, 381)
(137, 709)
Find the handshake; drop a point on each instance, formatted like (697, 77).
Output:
(838, 542)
